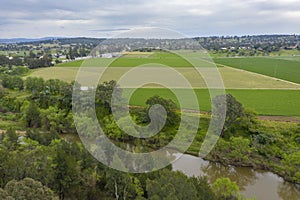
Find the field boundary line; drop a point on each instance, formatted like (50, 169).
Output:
(254, 73)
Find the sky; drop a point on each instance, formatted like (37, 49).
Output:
(106, 18)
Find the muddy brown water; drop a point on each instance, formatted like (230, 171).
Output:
(252, 183)
(261, 184)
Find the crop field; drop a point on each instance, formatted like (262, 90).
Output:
(292, 58)
(279, 68)
(142, 58)
(264, 102)
(76, 63)
(258, 91)
(232, 78)
(163, 58)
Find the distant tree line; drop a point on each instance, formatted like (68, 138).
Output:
(262, 43)
(32, 61)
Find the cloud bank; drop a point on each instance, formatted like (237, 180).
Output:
(103, 18)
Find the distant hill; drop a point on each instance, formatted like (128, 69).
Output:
(25, 40)
(61, 40)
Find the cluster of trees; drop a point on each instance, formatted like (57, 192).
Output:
(26, 189)
(66, 168)
(32, 61)
(33, 169)
(261, 43)
(246, 141)
(9, 62)
(76, 51)
(12, 82)
(43, 61)
(242, 52)
(48, 107)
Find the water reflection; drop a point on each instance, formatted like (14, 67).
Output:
(285, 191)
(242, 176)
(261, 184)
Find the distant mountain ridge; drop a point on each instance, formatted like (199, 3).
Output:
(22, 40)
(91, 39)
(62, 40)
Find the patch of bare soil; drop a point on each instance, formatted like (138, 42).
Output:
(280, 118)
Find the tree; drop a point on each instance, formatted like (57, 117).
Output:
(4, 195)
(203, 189)
(55, 120)
(104, 92)
(32, 115)
(172, 117)
(43, 138)
(29, 189)
(34, 84)
(1, 90)
(65, 169)
(234, 111)
(123, 185)
(224, 188)
(19, 70)
(171, 185)
(10, 140)
(12, 82)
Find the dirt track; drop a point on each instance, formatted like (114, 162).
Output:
(280, 118)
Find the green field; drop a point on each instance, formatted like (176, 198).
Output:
(75, 63)
(263, 94)
(164, 58)
(292, 58)
(232, 78)
(279, 68)
(264, 102)
(158, 57)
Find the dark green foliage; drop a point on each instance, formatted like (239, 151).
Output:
(42, 138)
(4, 195)
(34, 84)
(224, 188)
(171, 185)
(236, 116)
(65, 169)
(123, 185)
(71, 172)
(173, 118)
(43, 61)
(10, 140)
(1, 90)
(12, 82)
(9, 62)
(104, 94)
(29, 189)
(32, 116)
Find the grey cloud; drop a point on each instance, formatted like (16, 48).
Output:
(110, 30)
(188, 16)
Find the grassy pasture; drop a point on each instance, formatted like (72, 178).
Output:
(75, 63)
(134, 59)
(279, 68)
(264, 102)
(292, 58)
(232, 78)
(263, 94)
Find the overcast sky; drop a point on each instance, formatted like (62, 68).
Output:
(105, 18)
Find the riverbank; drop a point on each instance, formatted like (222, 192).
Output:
(253, 165)
(269, 145)
(252, 183)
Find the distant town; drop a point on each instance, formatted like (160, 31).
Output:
(45, 52)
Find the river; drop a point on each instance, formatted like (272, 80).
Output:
(261, 184)
(252, 183)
